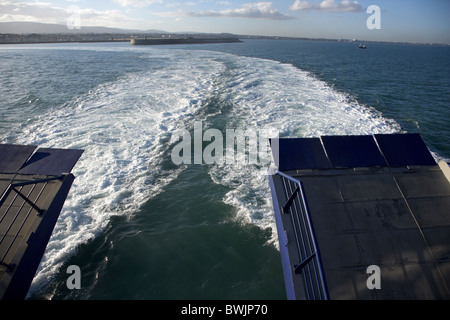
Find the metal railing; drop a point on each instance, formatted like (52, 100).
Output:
(310, 265)
(14, 220)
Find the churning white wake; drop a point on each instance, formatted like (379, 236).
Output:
(279, 97)
(125, 127)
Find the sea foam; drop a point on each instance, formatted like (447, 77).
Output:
(125, 126)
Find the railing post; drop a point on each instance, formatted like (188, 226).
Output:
(315, 283)
(288, 203)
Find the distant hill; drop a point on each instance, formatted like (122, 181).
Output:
(36, 27)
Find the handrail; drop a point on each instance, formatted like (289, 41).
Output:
(12, 187)
(310, 265)
(17, 188)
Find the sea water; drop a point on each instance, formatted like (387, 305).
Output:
(138, 225)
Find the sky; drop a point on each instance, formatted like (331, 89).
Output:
(424, 21)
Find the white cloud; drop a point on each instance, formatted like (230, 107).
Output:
(260, 10)
(46, 13)
(327, 6)
(136, 3)
(36, 12)
(301, 5)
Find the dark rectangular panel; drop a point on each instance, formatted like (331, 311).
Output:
(47, 161)
(405, 149)
(299, 153)
(353, 151)
(13, 156)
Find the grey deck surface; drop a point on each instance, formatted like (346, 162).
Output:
(12, 157)
(397, 218)
(33, 188)
(381, 218)
(51, 161)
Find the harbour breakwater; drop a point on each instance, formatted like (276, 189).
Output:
(159, 41)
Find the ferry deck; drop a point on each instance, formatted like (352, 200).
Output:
(34, 184)
(344, 204)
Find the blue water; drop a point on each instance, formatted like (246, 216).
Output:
(140, 226)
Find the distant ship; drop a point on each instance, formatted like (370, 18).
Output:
(362, 46)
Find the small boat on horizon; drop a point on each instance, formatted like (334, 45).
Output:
(362, 46)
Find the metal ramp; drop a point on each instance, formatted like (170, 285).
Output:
(377, 200)
(33, 188)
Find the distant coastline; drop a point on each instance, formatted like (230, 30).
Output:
(159, 38)
(11, 38)
(30, 38)
(21, 32)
